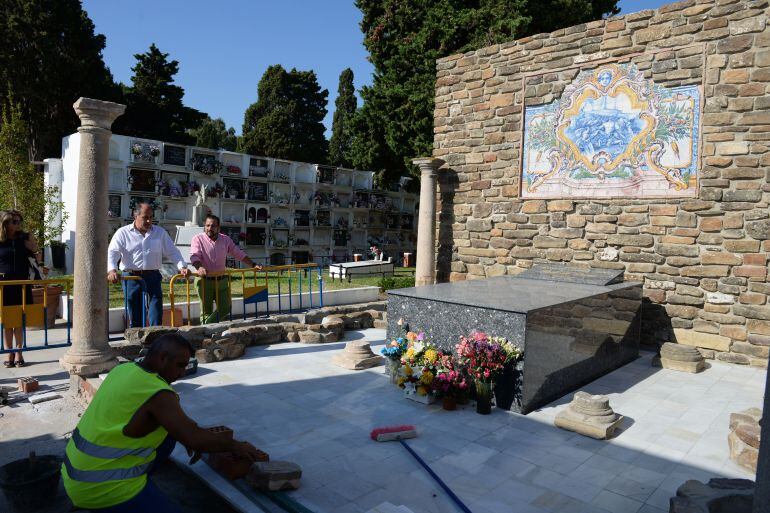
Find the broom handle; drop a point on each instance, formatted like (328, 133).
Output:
(441, 483)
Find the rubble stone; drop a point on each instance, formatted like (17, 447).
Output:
(718, 496)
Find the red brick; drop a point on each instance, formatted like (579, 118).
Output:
(28, 385)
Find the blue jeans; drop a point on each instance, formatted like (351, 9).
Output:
(150, 498)
(133, 291)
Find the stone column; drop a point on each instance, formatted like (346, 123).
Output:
(762, 490)
(90, 353)
(426, 227)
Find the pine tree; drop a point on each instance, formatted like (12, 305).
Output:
(49, 57)
(287, 119)
(340, 144)
(405, 37)
(154, 103)
(214, 134)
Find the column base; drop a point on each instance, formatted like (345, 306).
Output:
(88, 365)
(418, 282)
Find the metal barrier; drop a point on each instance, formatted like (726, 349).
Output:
(36, 315)
(28, 313)
(126, 315)
(258, 292)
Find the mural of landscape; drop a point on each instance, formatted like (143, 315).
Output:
(613, 134)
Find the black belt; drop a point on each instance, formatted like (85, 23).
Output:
(214, 278)
(141, 272)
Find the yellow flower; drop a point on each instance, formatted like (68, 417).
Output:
(431, 355)
(426, 378)
(410, 353)
(401, 381)
(407, 370)
(421, 390)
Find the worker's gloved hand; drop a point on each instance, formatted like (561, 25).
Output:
(194, 455)
(246, 450)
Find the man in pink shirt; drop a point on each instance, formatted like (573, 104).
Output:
(208, 252)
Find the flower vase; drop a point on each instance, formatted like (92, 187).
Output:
(449, 403)
(506, 386)
(483, 397)
(394, 366)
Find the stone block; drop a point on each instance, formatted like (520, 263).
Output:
(706, 340)
(589, 415)
(210, 354)
(681, 358)
(194, 335)
(357, 356)
(311, 337)
(148, 334)
(274, 475)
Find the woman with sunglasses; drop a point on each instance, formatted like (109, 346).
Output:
(16, 247)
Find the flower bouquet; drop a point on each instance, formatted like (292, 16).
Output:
(393, 351)
(484, 359)
(451, 381)
(419, 363)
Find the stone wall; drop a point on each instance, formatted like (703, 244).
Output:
(703, 260)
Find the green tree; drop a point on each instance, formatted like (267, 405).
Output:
(341, 141)
(405, 37)
(287, 119)
(154, 103)
(49, 57)
(21, 185)
(214, 134)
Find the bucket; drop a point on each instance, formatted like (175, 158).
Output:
(31, 483)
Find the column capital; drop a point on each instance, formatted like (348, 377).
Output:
(429, 164)
(97, 113)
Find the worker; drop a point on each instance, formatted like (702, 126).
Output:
(130, 427)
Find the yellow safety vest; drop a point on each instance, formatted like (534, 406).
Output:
(102, 466)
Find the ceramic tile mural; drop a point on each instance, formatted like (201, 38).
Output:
(613, 133)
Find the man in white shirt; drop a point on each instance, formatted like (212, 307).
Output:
(140, 248)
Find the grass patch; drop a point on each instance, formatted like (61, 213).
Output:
(404, 278)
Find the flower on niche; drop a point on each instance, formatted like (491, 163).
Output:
(431, 355)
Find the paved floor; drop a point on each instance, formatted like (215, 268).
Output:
(293, 403)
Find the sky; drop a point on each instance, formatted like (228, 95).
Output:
(224, 47)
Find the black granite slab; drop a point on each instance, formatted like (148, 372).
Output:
(507, 293)
(569, 274)
(571, 333)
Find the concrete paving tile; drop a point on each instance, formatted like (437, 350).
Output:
(320, 416)
(630, 488)
(648, 508)
(615, 502)
(557, 502)
(661, 498)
